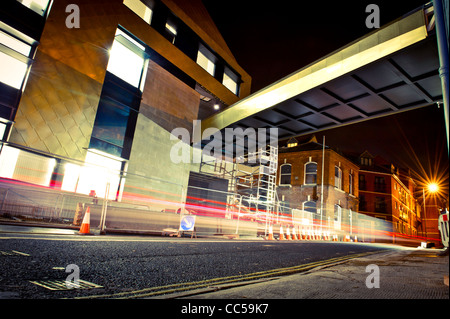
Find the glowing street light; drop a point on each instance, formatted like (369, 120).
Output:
(433, 188)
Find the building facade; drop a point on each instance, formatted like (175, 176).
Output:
(91, 90)
(388, 193)
(332, 201)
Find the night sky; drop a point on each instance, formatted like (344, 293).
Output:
(272, 39)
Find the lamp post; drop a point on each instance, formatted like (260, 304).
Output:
(432, 188)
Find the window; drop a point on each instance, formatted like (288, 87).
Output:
(337, 177)
(140, 9)
(337, 216)
(350, 183)
(380, 205)
(311, 207)
(120, 98)
(362, 182)
(26, 166)
(230, 81)
(111, 123)
(206, 60)
(366, 161)
(171, 31)
(292, 142)
(14, 60)
(127, 59)
(100, 173)
(380, 184)
(311, 173)
(362, 203)
(285, 174)
(38, 6)
(3, 129)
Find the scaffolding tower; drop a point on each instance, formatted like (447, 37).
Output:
(251, 181)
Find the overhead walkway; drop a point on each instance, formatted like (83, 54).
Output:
(390, 70)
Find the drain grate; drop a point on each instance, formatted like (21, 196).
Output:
(65, 285)
(12, 253)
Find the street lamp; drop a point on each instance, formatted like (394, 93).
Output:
(432, 189)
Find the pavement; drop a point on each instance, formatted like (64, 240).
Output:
(403, 274)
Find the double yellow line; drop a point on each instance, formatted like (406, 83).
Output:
(181, 287)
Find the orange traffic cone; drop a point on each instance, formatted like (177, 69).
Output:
(356, 239)
(85, 225)
(288, 233)
(270, 236)
(281, 233)
(294, 235)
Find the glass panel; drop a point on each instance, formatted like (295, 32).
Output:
(311, 173)
(97, 173)
(25, 166)
(38, 6)
(140, 9)
(12, 71)
(125, 63)
(15, 44)
(71, 175)
(111, 123)
(230, 83)
(206, 63)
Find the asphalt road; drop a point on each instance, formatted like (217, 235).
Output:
(127, 263)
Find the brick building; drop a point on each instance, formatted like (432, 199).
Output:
(388, 193)
(300, 182)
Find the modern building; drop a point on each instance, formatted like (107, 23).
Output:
(389, 193)
(319, 181)
(91, 90)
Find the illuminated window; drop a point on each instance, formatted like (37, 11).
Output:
(14, 60)
(140, 9)
(71, 176)
(206, 60)
(230, 82)
(15, 44)
(127, 59)
(285, 174)
(101, 173)
(292, 142)
(13, 71)
(38, 6)
(171, 31)
(25, 166)
(311, 173)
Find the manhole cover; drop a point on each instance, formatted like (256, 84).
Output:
(65, 285)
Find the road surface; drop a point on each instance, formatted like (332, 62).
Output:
(125, 264)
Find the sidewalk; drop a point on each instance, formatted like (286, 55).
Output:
(404, 274)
